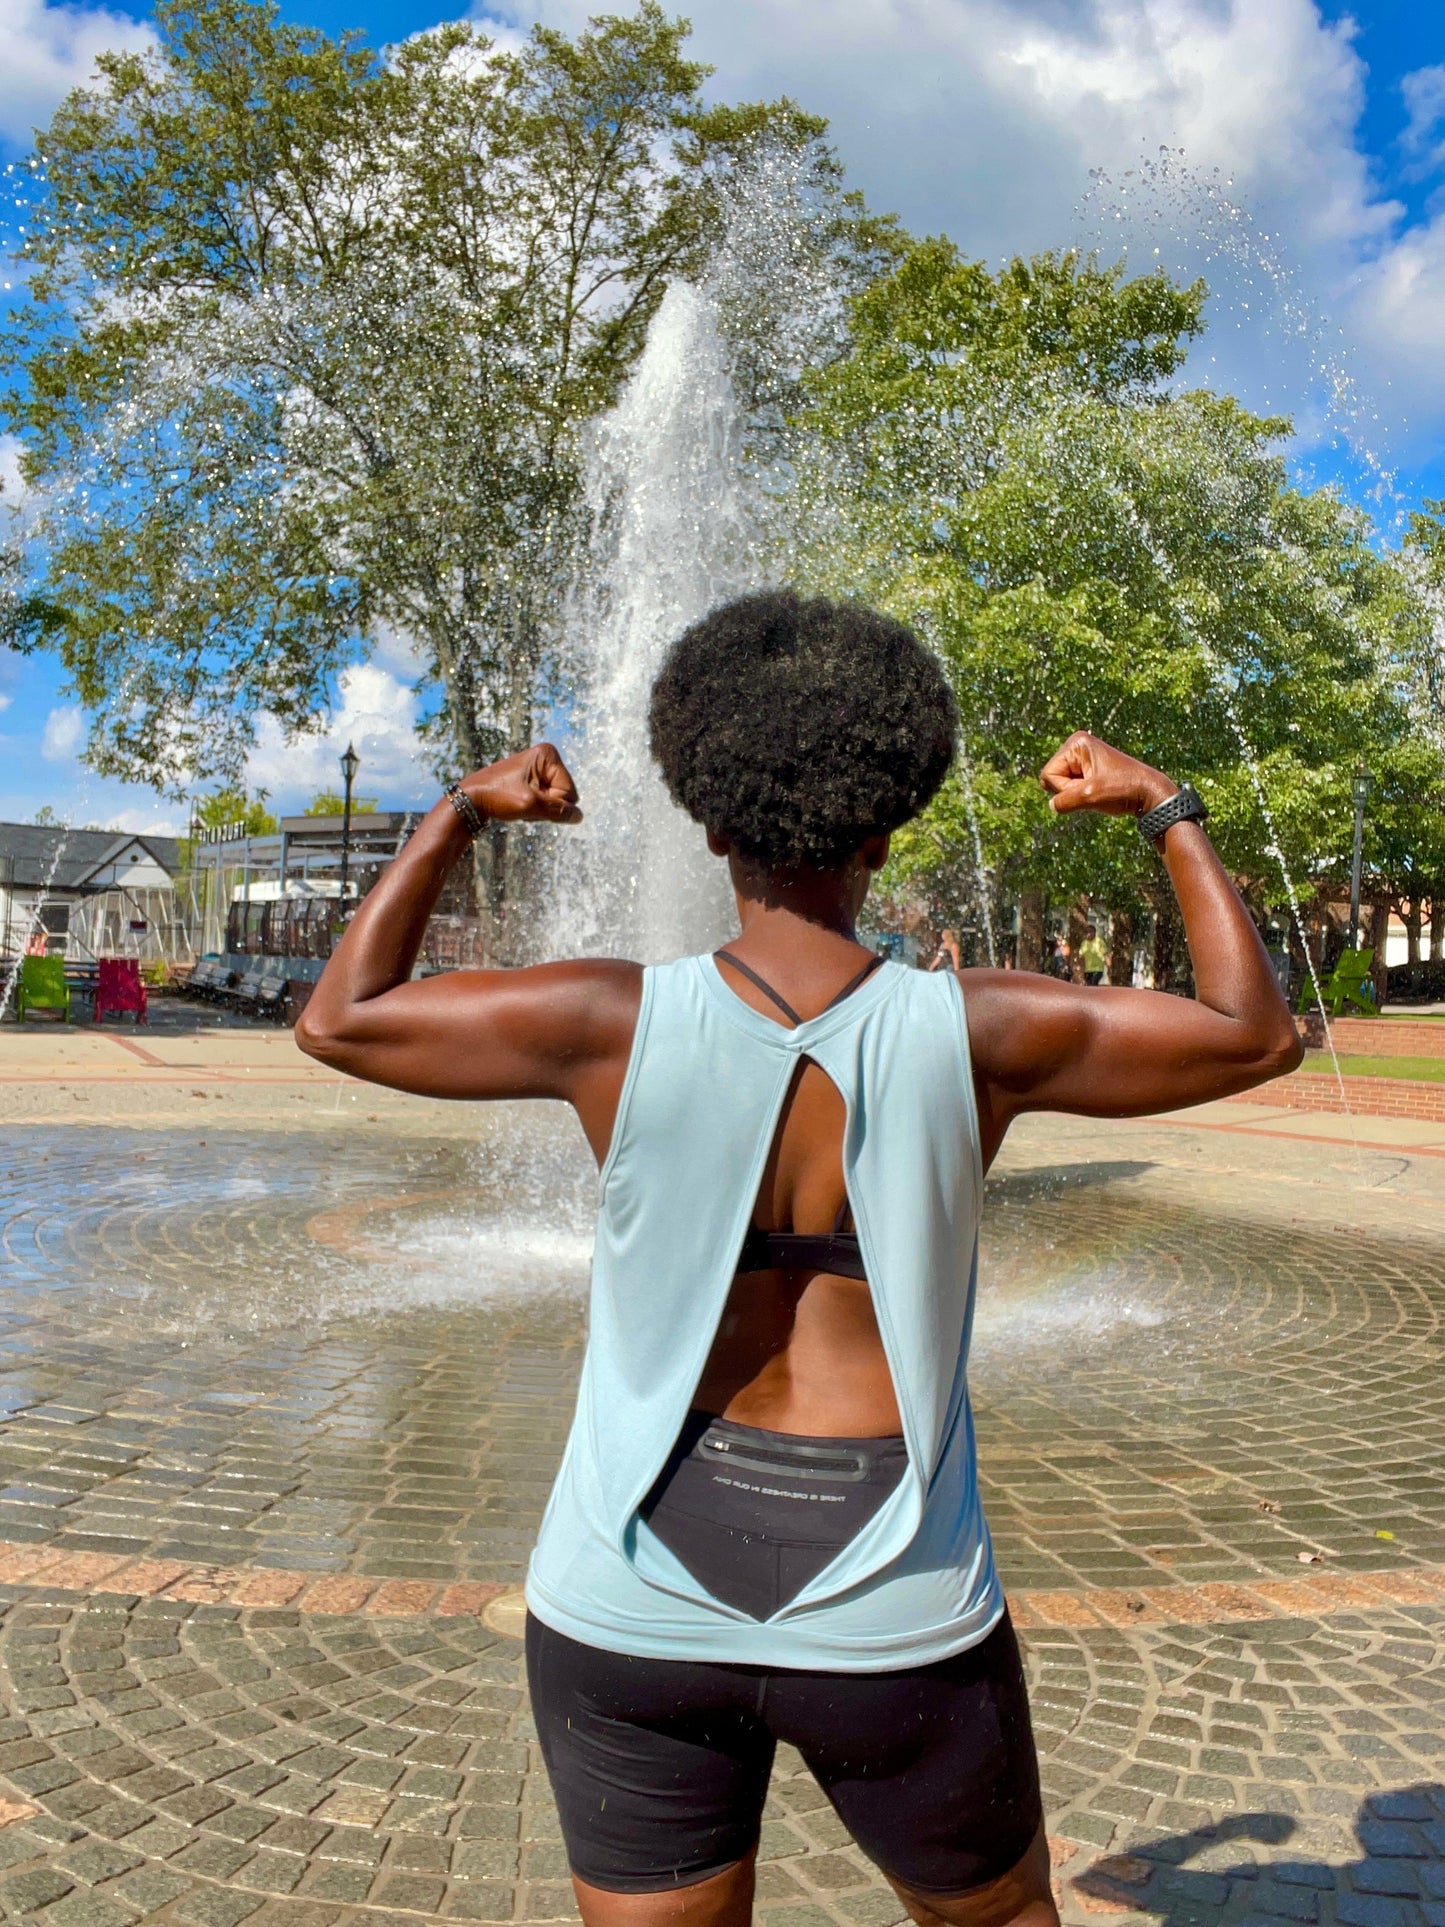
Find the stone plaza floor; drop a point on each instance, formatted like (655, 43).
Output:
(285, 1367)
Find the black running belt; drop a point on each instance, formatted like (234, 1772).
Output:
(834, 1251)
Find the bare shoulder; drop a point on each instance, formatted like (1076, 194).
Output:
(611, 990)
(590, 1003)
(1019, 1023)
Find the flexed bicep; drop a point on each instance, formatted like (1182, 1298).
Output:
(1042, 1045)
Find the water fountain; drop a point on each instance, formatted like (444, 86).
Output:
(684, 507)
(675, 537)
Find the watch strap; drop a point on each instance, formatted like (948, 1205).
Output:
(1185, 806)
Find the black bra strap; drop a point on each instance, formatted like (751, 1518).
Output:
(726, 956)
(853, 983)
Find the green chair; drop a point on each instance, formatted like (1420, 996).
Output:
(1349, 983)
(42, 986)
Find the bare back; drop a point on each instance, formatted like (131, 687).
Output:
(799, 1350)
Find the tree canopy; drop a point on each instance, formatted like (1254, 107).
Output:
(231, 809)
(333, 803)
(311, 338)
(1006, 460)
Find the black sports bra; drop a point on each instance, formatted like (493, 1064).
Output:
(837, 1250)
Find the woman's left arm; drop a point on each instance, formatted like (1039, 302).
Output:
(555, 1030)
(1043, 1045)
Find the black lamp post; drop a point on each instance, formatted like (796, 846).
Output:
(350, 764)
(1362, 791)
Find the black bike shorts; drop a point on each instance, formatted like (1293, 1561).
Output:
(660, 1767)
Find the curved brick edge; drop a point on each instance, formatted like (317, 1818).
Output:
(1212, 1605)
(340, 1226)
(98, 1572)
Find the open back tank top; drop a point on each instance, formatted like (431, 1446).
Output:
(700, 1106)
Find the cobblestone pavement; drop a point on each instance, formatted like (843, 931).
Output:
(352, 1354)
(208, 1765)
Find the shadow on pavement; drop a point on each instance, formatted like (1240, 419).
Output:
(1047, 1181)
(1397, 1879)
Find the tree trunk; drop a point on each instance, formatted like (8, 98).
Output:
(1412, 918)
(1121, 948)
(1031, 930)
(1161, 968)
(1437, 928)
(1074, 937)
(500, 855)
(1378, 926)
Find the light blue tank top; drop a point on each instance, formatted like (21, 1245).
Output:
(698, 1113)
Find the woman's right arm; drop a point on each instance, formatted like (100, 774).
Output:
(561, 1030)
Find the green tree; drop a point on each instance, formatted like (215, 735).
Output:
(232, 809)
(26, 618)
(311, 342)
(1405, 815)
(333, 803)
(1090, 548)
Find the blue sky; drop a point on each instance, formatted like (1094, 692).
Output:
(982, 119)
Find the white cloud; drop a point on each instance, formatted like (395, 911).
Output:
(399, 653)
(983, 118)
(64, 734)
(377, 712)
(46, 50)
(506, 35)
(1424, 94)
(12, 486)
(145, 822)
(5, 702)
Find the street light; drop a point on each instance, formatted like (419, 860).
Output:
(350, 764)
(1362, 791)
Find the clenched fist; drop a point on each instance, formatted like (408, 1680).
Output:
(534, 786)
(1087, 774)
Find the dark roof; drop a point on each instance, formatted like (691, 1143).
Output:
(361, 821)
(34, 848)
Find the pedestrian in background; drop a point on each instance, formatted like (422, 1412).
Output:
(1093, 956)
(947, 956)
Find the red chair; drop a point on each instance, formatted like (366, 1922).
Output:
(120, 988)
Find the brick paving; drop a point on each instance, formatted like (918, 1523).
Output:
(276, 1427)
(186, 1762)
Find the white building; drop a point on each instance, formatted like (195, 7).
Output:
(89, 893)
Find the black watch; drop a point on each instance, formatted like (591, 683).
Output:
(1186, 805)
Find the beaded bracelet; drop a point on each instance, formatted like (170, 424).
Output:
(466, 809)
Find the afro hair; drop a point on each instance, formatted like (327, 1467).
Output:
(797, 728)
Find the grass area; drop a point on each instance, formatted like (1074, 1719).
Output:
(1425, 1070)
